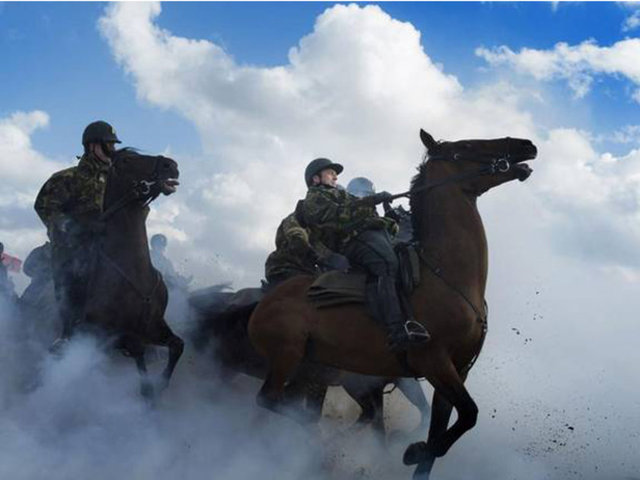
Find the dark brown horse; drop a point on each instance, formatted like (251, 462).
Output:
(222, 317)
(449, 301)
(126, 296)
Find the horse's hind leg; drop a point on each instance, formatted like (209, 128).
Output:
(282, 366)
(414, 393)
(449, 392)
(369, 396)
(307, 384)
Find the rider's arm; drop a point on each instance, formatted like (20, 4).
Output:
(325, 206)
(52, 199)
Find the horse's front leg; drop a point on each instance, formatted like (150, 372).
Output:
(135, 348)
(449, 392)
(176, 347)
(146, 388)
(419, 453)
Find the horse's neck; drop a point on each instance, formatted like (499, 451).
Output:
(454, 241)
(127, 241)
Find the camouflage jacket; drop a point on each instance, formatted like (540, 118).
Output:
(296, 252)
(335, 217)
(72, 198)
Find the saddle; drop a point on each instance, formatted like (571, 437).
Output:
(334, 288)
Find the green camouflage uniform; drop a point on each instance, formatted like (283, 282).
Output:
(69, 203)
(336, 217)
(295, 252)
(72, 199)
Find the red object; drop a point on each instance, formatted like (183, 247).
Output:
(13, 264)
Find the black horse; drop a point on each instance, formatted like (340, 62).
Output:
(126, 296)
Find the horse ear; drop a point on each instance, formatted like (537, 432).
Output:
(427, 140)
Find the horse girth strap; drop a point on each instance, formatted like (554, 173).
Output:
(116, 267)
(480, 316)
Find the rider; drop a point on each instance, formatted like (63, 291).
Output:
(70, 205)
(298, 254)
(6, 285)
(363, 187)
(351, 226)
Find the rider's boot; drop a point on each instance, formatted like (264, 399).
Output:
(402, 331)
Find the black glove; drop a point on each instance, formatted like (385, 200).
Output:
(380, 197)
(376, 199)
(335, 261)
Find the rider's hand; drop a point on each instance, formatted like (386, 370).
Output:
(377, 198)
(382, 197)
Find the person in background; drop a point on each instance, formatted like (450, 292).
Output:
(161, 263)
(7, 289)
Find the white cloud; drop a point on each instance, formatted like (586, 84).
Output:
(632, 21)
(594, 199)
(578, 64)
(626, 134)
(356, 89)
(24, 170)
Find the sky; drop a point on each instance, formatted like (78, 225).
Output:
(244, 95)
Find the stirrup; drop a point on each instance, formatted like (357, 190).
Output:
(416, 332)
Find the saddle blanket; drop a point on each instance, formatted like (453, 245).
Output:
(337, 288)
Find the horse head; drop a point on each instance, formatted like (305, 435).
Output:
(140, 177)
(479, 165)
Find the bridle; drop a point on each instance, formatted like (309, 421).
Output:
(145, 191)
(492, 165)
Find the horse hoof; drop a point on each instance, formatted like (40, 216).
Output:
(415, 453)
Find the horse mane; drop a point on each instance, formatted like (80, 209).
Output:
(127, 152)
(416, 197)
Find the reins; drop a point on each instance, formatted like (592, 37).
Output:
(141, 190)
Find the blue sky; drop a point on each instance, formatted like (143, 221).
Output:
(55, 59)
(244, 95)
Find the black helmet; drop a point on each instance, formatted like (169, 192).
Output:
(316, 166)
(361, 187)
(99, 132)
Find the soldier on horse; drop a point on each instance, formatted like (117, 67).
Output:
(70, 204)
(352, 227)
